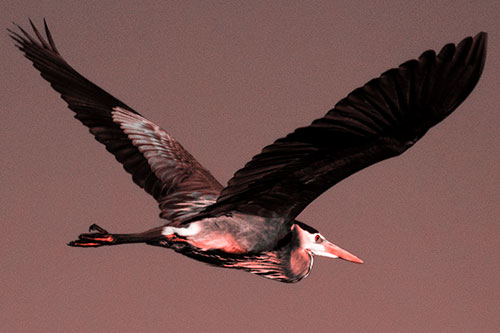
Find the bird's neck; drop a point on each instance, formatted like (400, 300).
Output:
(300, 262)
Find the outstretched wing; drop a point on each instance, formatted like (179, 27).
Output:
(156, 161)
(377, 121)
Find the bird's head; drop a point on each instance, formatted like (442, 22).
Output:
(312, 241)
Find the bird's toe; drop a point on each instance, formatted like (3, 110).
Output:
(95, 227)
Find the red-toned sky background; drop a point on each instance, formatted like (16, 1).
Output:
(226, 79)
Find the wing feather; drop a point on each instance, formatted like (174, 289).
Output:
(156, 161)
(382, 119)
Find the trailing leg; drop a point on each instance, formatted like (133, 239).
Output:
(94, 239)
(99, 236)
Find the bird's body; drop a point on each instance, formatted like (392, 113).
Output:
(234, 233)
(250, 224)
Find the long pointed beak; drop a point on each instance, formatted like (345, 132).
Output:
(341, 253)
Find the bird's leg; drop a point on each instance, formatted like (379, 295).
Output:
(94, 239)
(99, 236)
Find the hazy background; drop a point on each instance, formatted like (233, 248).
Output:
(226, 79)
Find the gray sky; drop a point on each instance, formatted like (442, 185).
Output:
(226, 79)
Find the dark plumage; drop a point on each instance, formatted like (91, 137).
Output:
(250, 224)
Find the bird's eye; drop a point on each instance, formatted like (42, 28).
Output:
(317, 238)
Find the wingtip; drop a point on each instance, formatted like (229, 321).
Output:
(481, 34)
(482, 39)
(23, 36)
(478, 51)
(16, 25)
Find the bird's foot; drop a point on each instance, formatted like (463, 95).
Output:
(100, 230)
(94, 239)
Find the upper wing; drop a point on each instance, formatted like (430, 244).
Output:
(157, 162)
(377, 121)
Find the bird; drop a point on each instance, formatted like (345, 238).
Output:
(250, 224)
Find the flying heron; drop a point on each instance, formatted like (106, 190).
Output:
(250, 223)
